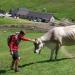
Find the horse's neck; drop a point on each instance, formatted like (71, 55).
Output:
(46, 37)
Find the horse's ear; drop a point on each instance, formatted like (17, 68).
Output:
(35, 40)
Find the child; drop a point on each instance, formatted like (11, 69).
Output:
(14, 45)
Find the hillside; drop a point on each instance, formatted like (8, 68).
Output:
(60, 8)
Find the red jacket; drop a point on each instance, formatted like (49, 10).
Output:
(14, 44)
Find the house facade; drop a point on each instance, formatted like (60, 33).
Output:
(33, 16)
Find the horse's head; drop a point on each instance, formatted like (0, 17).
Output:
(38, 44)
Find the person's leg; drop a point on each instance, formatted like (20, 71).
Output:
(16, 65)
(12, 64)
(16, 62)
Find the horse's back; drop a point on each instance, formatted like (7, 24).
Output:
(67, 34)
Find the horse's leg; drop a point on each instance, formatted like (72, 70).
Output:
(57, 49)
(53, 48)
(52, 52)
(58, 45)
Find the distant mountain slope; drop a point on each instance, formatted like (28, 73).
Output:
(60, 8)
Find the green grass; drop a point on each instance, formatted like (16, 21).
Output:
(60, 8)
(13, 21)
(34, 64)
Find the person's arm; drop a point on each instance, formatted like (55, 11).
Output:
(11, 47)
(27, 39)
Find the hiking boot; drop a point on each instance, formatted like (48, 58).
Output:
(16, 70)
(12, 68)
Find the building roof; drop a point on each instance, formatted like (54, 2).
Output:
(26, 12)
(22, 11)
(40, 15)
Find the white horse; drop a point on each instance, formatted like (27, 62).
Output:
(55, 38)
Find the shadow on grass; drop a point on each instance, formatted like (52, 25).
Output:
(2, 71)
(44, 61)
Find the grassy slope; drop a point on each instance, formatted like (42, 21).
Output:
(12, 21)
(33, 64)
(60, 8)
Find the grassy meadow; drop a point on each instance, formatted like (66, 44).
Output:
(30, 63)
(60, 8)
(35, 64)
(13, 21)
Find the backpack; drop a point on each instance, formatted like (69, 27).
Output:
(9, 39)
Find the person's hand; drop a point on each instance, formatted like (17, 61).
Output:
(33, 40)
(11, 52)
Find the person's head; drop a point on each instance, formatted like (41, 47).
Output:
(22, 33)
